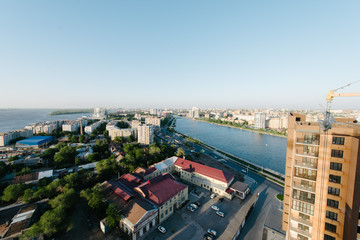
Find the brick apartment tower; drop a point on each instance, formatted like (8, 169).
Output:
(322, 182)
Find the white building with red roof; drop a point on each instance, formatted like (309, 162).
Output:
(213, 179)
(204, 176)
(166, 193)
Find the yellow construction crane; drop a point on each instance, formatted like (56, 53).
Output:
(326, 124)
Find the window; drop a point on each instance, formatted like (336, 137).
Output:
(333, 203)
(331, 215)
(336, 166)
(327, 237)
(305, 173)
(334, 179)
(166, 212)
(333, 191)
(303, 207)
(304, 196)
(303, 227)
(162, 215)
(301, 237)
(330, 227)
(337, 153)
(304, 217)
(338, 140)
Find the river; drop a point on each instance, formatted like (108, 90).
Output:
(13, 119)
(264, 150)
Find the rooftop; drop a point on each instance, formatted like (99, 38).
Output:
(214, 173)
(36, 140)
(160, 189)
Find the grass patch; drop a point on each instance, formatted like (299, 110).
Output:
(280, 197)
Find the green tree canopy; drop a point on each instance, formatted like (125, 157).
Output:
(113, 216)
(66, 155)
(13, 192)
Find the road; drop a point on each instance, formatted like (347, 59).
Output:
(268, 190)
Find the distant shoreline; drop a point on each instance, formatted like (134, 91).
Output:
(69, 111)
(246, 129)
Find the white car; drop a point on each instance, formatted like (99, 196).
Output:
(216, 208)
(194, 205)
(212, 232)
(212, 195)
(244, 171)
(190, 208)
(162, 229)
(221, 214)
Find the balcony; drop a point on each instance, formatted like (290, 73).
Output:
(304, 187)
(314, 141)
(302, 232)
(307, 153)
(302, 221)
(312, 165)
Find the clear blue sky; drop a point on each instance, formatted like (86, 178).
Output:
(234, 54)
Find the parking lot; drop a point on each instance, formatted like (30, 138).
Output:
(184, 224)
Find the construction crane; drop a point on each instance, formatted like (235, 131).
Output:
(326, 124)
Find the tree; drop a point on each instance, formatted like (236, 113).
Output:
(49, 154)
(94, 196)
(23, 171)
(28, 195)
(93, 157)
(66, 199)
(106, 167)
(13, 192)
(180, 152)
(113, 216)
(131, 138)
(3, 169)
(66, 155)
(13, 158)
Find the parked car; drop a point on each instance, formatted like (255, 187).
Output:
(212, 195)
(162, 229)
(244, 171)
(212, 232)
(221, 214)
(197, 203)
(190, 208)
(194, 205)
(216, 208)
(208, 236)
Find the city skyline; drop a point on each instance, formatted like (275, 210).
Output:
(178, 55)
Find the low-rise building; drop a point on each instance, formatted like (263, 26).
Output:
(166, 193)
(34, 142)
(138, 215)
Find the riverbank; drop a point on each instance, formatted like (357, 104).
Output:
(260, 170)
(243, 128)
(70, 111)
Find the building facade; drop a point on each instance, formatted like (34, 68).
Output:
(322, 181)
(155, 121)
(145, 134)
(260, 120)
(7, 137)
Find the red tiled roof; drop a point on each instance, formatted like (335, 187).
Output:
(120, 190)
(129, 180)
(214, 173)
(161, 188)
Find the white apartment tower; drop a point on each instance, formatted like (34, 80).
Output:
(145, 134)
(260, 120)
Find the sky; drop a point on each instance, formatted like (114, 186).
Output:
(178, 54)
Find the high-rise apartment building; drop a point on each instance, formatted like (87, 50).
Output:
(145, 134)
(260, 120)
(322, 180)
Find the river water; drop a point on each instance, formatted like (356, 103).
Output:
(13, 119)
(264, 150)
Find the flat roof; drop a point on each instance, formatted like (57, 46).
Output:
(36, 140)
